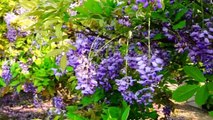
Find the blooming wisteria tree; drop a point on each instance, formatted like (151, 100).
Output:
(109, 59)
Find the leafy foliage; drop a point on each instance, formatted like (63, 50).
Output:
(108, 59)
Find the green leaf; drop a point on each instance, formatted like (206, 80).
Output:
(14, 83)
(66, 17)
(179, 25)
(18, 88)
(86, 100)
(69, 68)
(99, 93)
(201, 95)
(2, 83)
(72, 108)
(184, 92)
(195, 73)
(125, 113)
(63, 62)
(14, 67)
(39, 89)
(211, 113)
(210, 86)
(54, 53)
(114, 112)
(58, 31)
(57, 117)
(180, 14)
(73, 116)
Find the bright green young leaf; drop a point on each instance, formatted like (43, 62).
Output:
(57, 117)
(14, 83)
(73, 116)
(39, 89)
(63, 62)
(55, 52)
(69, 68)
(2, 83)
(58, 31)
(201, 95)
(184, 92)
(125, 113)
(195, 73)
(18, 88)
(179, 25)
(114, 112)
(72, 108)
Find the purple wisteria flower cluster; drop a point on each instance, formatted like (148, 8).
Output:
(123, 87)
(6, 73)
(197, 41)
(148, 69)
(201, 48)
(58, 102)
(85, 70)
(86, 74)
(156, 3)
(109, 69)
(12, 32)
(29, 87)
(125, 21)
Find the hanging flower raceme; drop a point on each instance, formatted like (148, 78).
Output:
(29, 87)
(86, 74)
(148, 69)
(146, 3)
(6, 73)
(13, 33)
(109, 69)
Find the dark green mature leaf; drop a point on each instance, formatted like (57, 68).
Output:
(211, 113)
(179, 25)
(125, 113)
(195, 73)
(63, 62)
(180, 14)
(99, 93)
(184, 92)
(210, 86)
(201, 95)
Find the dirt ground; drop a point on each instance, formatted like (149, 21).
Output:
(188, 112)
(21, 108)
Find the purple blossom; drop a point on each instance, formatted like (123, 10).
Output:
(58, 102)
(124, 83)
(11, 34)
(135, 7)
(6, 74)
(167, 111)
(86, 75)
(36, 100)
(109, 69)
(125, 21)
(29, 87)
